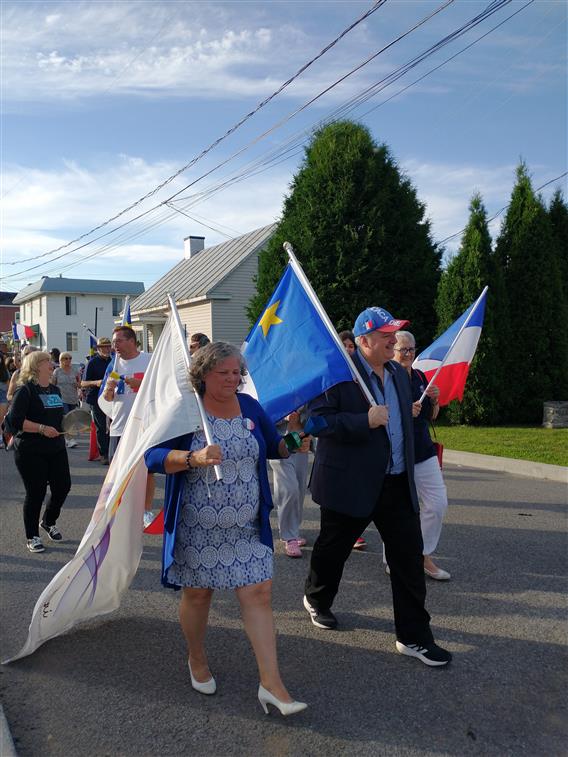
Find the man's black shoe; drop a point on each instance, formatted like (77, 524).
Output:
(432, 655)
(321, 618)
(52, 531)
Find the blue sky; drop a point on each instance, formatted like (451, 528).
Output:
(103, 101)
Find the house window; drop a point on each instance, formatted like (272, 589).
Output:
(117, 305)
(72, 341)
(70, 306)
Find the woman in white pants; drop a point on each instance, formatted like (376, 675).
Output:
(290, 481)
(427, 474)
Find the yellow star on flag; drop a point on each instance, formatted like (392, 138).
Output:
(269, 318)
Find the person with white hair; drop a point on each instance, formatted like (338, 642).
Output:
(428, 478)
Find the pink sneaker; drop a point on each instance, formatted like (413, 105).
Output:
(293, 548)
(301, 541)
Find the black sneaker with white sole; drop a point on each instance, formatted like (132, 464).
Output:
(321, 618)
(432, 654)
(52, 531)
(34, 544)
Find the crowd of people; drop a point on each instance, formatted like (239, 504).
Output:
(373, 464)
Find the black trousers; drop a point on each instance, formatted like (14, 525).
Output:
(37, 471)
(100, 421)
(399, 527)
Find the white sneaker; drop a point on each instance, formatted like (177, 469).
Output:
(71, 443)
(148, 518)
(35, 544)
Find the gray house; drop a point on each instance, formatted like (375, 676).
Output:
(212, 287)
(56, 308)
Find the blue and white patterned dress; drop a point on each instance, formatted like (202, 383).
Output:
(217, 544)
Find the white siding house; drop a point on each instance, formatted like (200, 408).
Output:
(59, 309)
(212, 287)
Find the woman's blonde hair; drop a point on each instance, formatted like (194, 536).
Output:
(30, 366)
(66, 354)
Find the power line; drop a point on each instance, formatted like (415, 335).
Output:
(291, 145)
(498, 213)
(377, 4)
(227, 160)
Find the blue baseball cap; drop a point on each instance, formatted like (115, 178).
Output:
(377, 319)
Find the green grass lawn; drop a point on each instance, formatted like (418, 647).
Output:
(542, 445)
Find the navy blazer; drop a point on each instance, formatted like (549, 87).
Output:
(268, 440)
(351, 459)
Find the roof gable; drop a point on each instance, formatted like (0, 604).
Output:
(203, 272)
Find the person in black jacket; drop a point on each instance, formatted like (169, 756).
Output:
(39, 448)
(364, 472)
(92, 381)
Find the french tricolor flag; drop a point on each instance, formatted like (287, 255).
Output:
(446, 361)
(21, 333)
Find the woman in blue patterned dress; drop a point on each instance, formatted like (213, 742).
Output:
(217, 533)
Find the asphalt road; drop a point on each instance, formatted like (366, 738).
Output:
(119, 685)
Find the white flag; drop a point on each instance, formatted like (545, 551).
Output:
(105, 563)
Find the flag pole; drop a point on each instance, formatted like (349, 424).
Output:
(448, 353)
(187, 360)
(295, 263)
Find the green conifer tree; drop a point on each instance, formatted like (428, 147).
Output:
(469, 271)
(359, 231)
(536, 345)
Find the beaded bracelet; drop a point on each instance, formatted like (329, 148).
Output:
(40, 429)
(187, 460)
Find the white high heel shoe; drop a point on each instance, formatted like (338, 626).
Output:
(286, 708)
(207, 687)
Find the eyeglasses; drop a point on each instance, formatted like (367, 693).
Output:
(405, 350)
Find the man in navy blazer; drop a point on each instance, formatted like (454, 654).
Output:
(364, 471)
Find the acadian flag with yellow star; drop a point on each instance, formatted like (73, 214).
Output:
(291, 354)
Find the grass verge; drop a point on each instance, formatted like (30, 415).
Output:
(541, 445)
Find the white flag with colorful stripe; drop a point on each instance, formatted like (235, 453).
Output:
(92, 583)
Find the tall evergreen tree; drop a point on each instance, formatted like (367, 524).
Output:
(462, 282)
(558, 214)
(537, 353)
(359, 231)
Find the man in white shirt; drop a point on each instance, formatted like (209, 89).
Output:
(131, 364)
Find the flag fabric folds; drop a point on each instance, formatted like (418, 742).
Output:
(290, 353)
(126, 317)
(92, 343)
(20, 332)
(92, 583)
(453, 351)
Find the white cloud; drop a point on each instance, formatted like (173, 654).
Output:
(190, 49)
(446, 189)
(48, 208)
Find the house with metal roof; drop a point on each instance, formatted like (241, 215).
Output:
(211, 286)
(58, 310)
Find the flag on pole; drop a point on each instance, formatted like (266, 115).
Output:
(126, 317)
(447, 360)
(21, 332)
(93, 582)
(92, 342)
(291, 354)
